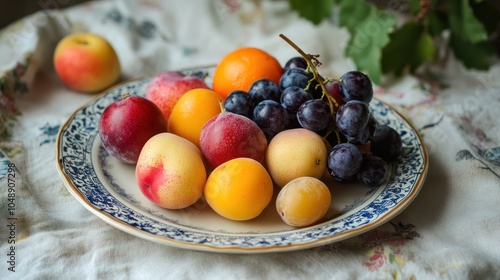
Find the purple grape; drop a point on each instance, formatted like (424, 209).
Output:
(366, 135)
(295, 62)
(292, 97)
(335, 139)
(314, 115)
(373, 171)
(315, 89)
(264, 89)
(352, 117)
(293, 122)
(344, 161)
(295, 77)
(239, 102)
(271, 117)
(386, 143)
(334, 89)
(356, 86)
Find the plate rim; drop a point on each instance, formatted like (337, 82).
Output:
(123, 226)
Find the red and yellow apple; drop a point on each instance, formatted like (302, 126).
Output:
(86, 62)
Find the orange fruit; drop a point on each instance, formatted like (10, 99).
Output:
(239, 189)
(192, 111)
(241, 67)
(303, 201)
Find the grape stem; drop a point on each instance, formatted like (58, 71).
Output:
(312, 61)
(312, 65)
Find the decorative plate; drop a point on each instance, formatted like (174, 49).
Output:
(107, 188)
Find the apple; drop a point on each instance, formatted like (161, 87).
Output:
(228, 136)
(86, 62)
(127, 124)
(166, 88)
(170, 171)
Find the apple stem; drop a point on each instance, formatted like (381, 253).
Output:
(125, 96)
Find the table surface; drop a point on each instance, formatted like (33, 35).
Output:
(450, 231)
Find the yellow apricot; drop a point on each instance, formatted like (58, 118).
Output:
(295, 153)
(239, 189)
(192, 111)
(303, 201)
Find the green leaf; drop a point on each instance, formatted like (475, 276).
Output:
(369, 28)
(436, 19)
(314, 11)
(438, 22)
(487, 14)
(415, 6)
(352, 13)
(464, 23)
(472, 55)
(409, 47)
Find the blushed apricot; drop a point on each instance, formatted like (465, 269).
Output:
(170, 171)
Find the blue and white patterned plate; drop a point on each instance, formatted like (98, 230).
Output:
(107, 188)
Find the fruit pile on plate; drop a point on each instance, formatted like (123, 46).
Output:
(259, 129)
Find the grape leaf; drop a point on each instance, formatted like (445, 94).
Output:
(472, 55)
(435, 19)
(351, 14)
(488, 14)
(314, 11)
(369, 28)
(464, 23)
(415, 6)
(438, 22)
(409, 47)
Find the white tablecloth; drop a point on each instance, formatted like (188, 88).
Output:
(450, 231)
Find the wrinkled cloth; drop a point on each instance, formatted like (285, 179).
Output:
(450, 231)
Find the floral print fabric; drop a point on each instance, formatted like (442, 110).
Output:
(450, 231)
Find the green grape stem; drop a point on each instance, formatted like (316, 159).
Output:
(312, 62)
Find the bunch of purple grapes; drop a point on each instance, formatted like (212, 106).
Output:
(357, 127)
(341, 115)
(292, 103)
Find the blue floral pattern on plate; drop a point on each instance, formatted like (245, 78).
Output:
(85, 168)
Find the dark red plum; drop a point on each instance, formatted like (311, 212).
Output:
(127, 124)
